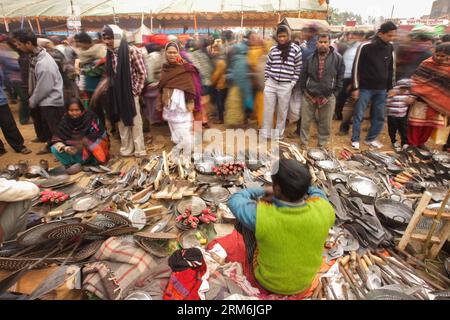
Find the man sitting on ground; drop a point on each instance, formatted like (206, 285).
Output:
(15, 201)
(285, 233)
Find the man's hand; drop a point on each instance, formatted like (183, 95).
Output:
(60, 147)
(268, 191)
(355, 94)
(410, 100)
(391, 93)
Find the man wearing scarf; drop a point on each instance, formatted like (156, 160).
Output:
(126, 72)
(282, 73)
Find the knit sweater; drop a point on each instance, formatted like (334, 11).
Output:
(284, 71)
(290, 244)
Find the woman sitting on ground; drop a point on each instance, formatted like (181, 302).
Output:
(81, 139)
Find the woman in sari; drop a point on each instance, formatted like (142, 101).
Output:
(256, 58)
(432, 94)
(178, 96)
(201, 59)
(81, 138)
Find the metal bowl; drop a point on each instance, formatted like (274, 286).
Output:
(85, 203)
(328, 165)
(423, 154)
(441, 157)
(363, 188)
(194, 203)
(395, 169)
(139, 295)
(317, 154)
(437, 193)
(215, 194)
(392, 213)
(205, 167)
(336, 177)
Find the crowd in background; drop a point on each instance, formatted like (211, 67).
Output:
(72, 89)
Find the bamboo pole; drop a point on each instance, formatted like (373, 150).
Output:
(195, 23)
(151, 21)
(30, 24)
(38, 25)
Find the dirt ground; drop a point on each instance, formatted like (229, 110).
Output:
(161, 136)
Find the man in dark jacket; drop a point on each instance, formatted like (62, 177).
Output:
(320, 82)
(373, 76)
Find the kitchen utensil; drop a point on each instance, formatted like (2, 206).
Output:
(206, 166)
(139, 295)
(395, 169)
(66, 231)
(153, 247)
(223, 159)
(328, 165)
(35, 235)
(191, 238)
(336, 177)
(317, 154)
(53, 181)
(386, 294)
(393, 213)
(118, 219)
(215, 194)
(86, 203)
(195, 204)
(363, 188)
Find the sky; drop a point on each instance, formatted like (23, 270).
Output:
(376, 8)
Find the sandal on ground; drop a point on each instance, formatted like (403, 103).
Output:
(44, 150)
(25, 150)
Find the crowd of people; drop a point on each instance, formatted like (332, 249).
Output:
(74, 89)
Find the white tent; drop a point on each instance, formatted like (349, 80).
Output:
(65, 8)
(297, 24)
(139, 33)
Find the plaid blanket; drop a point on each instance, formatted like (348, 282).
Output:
(119, 265)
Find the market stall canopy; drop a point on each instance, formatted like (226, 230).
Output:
(140, 33)
(358, 27)
(297, 24)
(66, 8)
